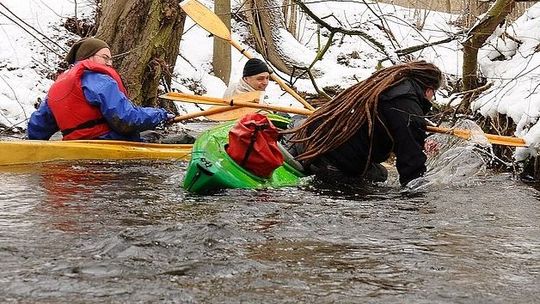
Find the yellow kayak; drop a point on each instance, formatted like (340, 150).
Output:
(20, 152)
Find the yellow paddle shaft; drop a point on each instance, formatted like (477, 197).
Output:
(462, 133)
(232, 103)
(208, 112)
(494, 139)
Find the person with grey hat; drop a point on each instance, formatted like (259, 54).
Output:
(255, 77)
(89, 101)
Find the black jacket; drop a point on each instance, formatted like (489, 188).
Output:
(400, 129)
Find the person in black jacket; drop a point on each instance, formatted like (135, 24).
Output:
(348, 137)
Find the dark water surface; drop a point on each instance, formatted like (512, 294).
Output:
(104, 232)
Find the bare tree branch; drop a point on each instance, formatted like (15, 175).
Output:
(334, 29)
(30, 26)
(384, 26)
(416, 48)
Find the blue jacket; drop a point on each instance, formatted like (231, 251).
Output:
(125, 119)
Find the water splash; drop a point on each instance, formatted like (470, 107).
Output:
(457, 162)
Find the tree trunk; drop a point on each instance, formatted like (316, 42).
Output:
(291, 17)
(477, 36)
(222, 49)
(473, 9)
(145, 36)
(269, 30)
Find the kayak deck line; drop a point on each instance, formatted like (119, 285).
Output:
(20, 152)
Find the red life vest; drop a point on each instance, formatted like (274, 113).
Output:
(76, 118)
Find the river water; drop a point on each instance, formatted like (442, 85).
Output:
(106, 232)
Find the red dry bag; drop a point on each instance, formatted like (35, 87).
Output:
(253, 145)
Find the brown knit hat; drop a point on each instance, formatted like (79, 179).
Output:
(85, 48)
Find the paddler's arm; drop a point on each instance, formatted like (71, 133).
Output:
(406, 125)
(121, 114)
(42, 124)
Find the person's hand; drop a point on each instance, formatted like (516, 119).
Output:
(170, 118)
(431, 147)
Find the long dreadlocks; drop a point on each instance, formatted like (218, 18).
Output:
(340, 118)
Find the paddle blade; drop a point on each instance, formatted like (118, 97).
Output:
(493, 139)
(206, 19)
(238, 112)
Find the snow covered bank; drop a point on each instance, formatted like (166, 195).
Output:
(511, 62)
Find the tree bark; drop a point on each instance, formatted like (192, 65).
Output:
(269, 31)
(222, 49)
(473, 9)
(145, 36)
(477, 36)
(291, 17)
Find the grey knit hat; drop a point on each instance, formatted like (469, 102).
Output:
(85, 48)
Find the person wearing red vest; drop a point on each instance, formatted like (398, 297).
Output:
(89, 101)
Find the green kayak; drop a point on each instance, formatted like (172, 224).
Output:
(211, 168)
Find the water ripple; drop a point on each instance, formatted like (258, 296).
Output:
(126, 232)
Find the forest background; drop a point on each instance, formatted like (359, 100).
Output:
(489, 51)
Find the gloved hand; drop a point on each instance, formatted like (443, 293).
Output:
(167, 121)
(170, 118)
(431, 147)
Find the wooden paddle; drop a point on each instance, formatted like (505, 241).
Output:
(211, 22)
(231, 103)
(218, 112)
(237, 112)
(492, 138)
(462, 133)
